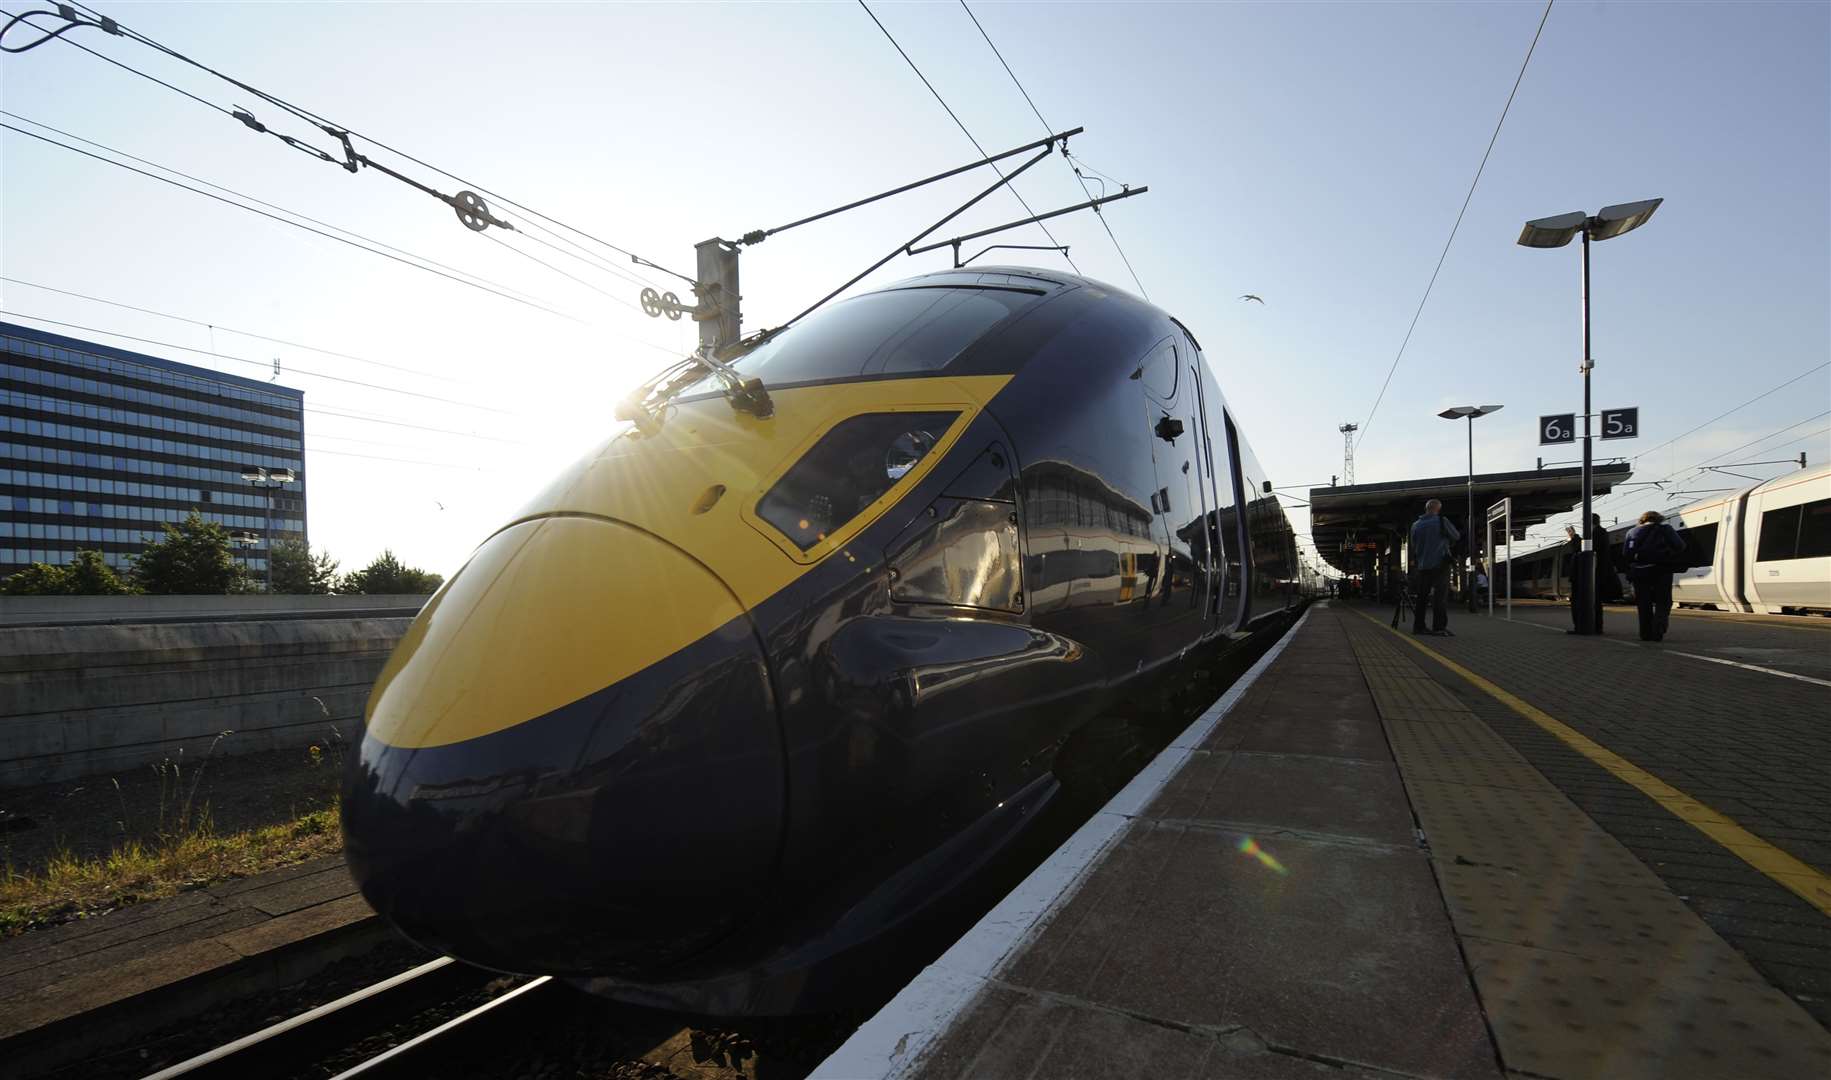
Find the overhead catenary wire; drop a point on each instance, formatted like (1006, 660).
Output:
(285, 221)
(1077, 172)
(1738, 408)
(1690, 472)
(962, 126)
(400, 461)
(45, 35)
(1697, 467)
(1466, 199)
(232, 330)
(274, 206)
(390, 421)
(607, 294)
(260, 364)
(326, 125)
(486, 283)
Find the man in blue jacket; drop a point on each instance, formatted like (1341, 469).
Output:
(1429, 554)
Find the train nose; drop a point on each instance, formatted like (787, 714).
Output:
(572, 762)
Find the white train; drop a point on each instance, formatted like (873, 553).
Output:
(1763, 548)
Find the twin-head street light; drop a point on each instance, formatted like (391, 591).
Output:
(1458, 412)
(272, 479)
(1551, 232)
(244, 539)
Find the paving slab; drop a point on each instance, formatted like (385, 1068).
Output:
(1266, 912)
(1355, 873)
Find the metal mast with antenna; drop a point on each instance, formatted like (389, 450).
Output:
(1347, 452)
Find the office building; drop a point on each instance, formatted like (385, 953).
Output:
(99, 446)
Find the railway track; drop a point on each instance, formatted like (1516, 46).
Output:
(445, 1019)
(322, 1033)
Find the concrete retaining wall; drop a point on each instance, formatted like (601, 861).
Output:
(82, 699)
(66, 610)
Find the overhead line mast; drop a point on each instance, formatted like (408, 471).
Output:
(718, 310)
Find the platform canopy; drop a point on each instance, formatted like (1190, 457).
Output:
(1350, 524)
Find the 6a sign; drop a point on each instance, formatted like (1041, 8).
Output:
(1621, 423)
(1559, 428)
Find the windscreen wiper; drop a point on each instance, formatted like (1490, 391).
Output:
(745, 395)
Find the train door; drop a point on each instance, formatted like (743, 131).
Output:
(1220, 533)
(1707, 531)
(1172, 416)
(1241, 503)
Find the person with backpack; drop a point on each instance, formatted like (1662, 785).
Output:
(1432, 539)
(1653, 552)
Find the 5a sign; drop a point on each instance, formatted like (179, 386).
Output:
(1560, 428)
(1621, 423)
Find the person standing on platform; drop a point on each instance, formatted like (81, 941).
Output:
(1429, 553)
(1604, 566)
(1653, 551)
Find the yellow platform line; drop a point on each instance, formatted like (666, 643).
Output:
(1783, 869)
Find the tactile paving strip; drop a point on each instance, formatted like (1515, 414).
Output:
(1531, 831)
(1587, 964)
(1564, 1015)
(1459, 750)
(1406, 698)
(1575, 914)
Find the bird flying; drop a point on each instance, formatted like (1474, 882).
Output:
(1249, 296)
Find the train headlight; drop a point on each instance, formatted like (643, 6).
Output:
(850, 468)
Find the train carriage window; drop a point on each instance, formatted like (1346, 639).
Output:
(1779, 534)
(884, 333)
(1700, 545)
(1815, 530)
(1158, 371)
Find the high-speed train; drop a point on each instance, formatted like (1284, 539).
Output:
(788, 659)
(1762, 548)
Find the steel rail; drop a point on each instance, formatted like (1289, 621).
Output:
(342, 1021)
(417, 1055)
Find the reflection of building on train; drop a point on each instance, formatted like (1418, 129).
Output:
(1763, 548)
(762, 681)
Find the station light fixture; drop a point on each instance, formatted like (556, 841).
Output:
(1470, 413)
(1554, 232)
(269, 480)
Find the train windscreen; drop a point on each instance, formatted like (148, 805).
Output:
(884, 333)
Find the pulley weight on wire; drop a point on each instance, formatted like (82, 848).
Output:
(655, 305)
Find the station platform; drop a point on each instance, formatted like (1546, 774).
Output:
(1510, 852)
(69, 989)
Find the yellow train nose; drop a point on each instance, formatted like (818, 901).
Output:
(534, 746)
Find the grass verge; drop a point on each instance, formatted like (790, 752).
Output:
(70, 887)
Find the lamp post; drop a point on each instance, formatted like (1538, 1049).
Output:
(244, 540)
(1551, 232)
(1470, 412)
(272, 479)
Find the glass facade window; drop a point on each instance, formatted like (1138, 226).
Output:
(99, 447)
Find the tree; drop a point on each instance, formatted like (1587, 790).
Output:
(297, 571)
(388, 576)
(90, 575)
(191, 558)
(38, 579)
(87, 575)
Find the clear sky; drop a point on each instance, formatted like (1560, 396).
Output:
(1313, 154)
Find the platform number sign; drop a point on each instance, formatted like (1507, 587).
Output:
(1621, 423)
(1561, 428)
